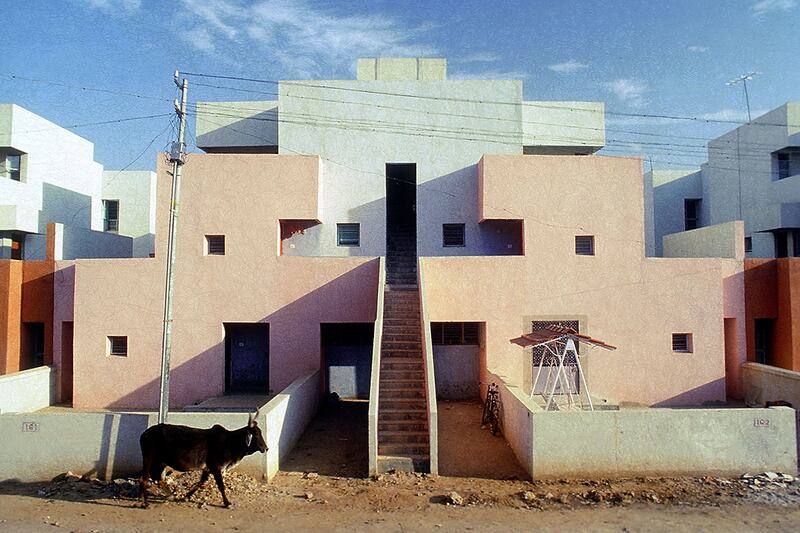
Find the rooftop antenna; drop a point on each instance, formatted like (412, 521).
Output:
(743, 80)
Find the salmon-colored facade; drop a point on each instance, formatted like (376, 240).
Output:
(772, 293)
(616, 294)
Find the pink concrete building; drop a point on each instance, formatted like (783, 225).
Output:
(492, 213)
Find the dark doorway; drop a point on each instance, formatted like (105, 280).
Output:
(32, 345)
(347, 358)
(67, 334)
(401, 206)
(246, 358)
(763, 340)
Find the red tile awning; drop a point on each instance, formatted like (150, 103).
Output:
(556, 333)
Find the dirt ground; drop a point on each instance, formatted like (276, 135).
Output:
(322, 488)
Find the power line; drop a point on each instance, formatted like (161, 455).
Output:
(87, 124)
(86, 88)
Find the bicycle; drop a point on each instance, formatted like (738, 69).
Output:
(492, 410)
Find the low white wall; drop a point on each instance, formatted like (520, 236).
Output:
(375, 372)
(430, 372)
(647, 441)
(517, 415)
(663, 442)
(287, 416)
(764, 383)
(38, 446)
(720, 240)
(28, 390)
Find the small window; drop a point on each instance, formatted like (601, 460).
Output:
(748, 244)
(118, 346)
(784, 166)
(682, 342)
(111, 216)
(17, 248)
(584, 244)
(215, 244)
(691, 212)
(11, 166)
(452, 235)
(348, 234)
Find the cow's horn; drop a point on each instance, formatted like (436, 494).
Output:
(253, 417)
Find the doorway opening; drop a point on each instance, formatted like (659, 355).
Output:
(246, 358)
(401, 207)
(67, 335)
(347, 358)
(32, 345)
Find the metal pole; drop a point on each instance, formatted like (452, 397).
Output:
(747, 99)
(176, 157)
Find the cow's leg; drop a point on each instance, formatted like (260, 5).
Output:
(144, 481)
(221, 486)
(203, 479)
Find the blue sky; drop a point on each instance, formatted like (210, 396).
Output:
(644, 57)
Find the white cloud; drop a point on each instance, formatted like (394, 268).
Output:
(115, 7)
(490, 75)
(568, 67)
(629, 91)
(481, 57)
(734, 115)
(698, 49)
(304, 39)
(767, 6)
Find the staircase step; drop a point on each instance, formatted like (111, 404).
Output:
(404, 450)
(416, 393)
(402, 404)
(413, 438)
(396, 415)
(403, 425)
(417, 376)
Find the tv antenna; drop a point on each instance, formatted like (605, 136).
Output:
(743, 80)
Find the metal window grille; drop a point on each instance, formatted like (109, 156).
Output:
(348, 234)
(118, 346)
(453, 235)
(681, 342)
(215, 244)
(455, 333)
(584, 244)
(542, 325)
(111, 215)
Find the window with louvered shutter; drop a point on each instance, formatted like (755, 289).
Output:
(118, 346)
(215, 244)
(452, 234)
(455, 333)
(111, 216)
(682, 342)
(348, 234)
(584, 244)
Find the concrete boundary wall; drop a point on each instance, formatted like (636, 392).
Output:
(375, 372)
(41, 445)
(27, 390)
(764, 383)
(648, 441)
(720, 240)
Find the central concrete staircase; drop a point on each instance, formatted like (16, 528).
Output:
(403, 430)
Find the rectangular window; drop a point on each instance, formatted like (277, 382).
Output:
(691, 213)
(682, 342)
(11, 167)
(111, 216)
(17, 248)
(784, 165)
(584, 244)
(452, 235)
(118, 346)
(748, 244)
(215, 244)
(455, 333)
(763, 340)
(348, 234)
(781, 243)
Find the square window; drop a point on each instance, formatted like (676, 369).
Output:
(11, 166)
(348, 234)
(452, 235)
(118, 346)
(682, 342)
(215, 244)
(584, 244)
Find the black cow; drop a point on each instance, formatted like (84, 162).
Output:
(184, 448)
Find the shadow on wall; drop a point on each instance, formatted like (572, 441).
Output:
(697, 396)
(294, 342)
(449, 199)
(64, 207)
(260, 129)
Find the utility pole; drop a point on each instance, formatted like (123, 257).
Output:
(176, 154)
(743, 80)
